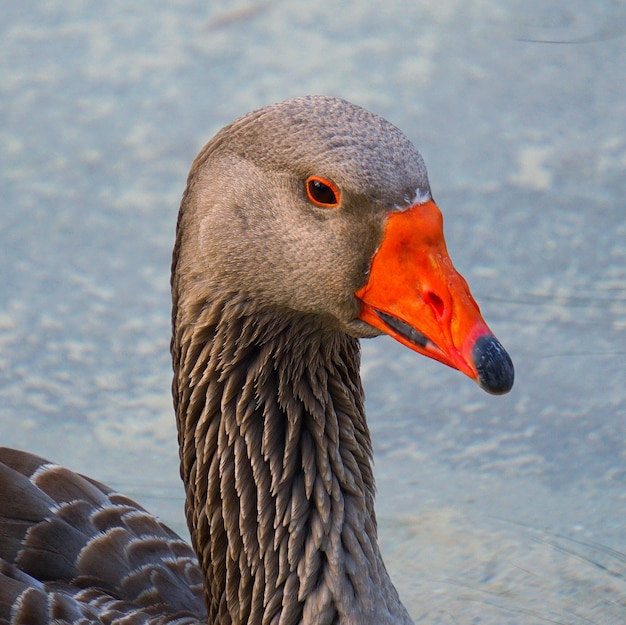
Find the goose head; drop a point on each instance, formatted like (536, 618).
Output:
(318, 207)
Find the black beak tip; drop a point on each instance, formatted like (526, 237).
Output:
(494, 366)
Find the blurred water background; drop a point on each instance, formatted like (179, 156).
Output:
(496, 510)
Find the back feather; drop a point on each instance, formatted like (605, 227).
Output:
(72, 550)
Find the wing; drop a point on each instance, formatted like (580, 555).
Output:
(72, 550)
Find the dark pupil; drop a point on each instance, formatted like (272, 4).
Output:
(322, 193)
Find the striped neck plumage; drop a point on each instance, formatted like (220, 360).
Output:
(276, 460)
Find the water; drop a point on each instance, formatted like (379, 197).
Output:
(492, 510)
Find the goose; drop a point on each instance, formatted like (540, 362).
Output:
(304, 227)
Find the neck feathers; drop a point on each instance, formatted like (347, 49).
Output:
(276, 461)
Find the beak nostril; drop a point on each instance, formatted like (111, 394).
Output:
(435, 302)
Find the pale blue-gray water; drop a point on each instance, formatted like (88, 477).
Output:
(496, 510)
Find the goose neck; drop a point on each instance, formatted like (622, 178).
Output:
(276, 461)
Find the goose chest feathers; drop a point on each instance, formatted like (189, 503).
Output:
(305, 226)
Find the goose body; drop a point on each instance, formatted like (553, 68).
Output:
(305, 226)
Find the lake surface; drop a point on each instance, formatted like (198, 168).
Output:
(496, 510)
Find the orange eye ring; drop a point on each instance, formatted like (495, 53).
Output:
(322, 192)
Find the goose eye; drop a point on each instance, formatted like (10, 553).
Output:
(322, 192)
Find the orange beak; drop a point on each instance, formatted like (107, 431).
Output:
(415, 295)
